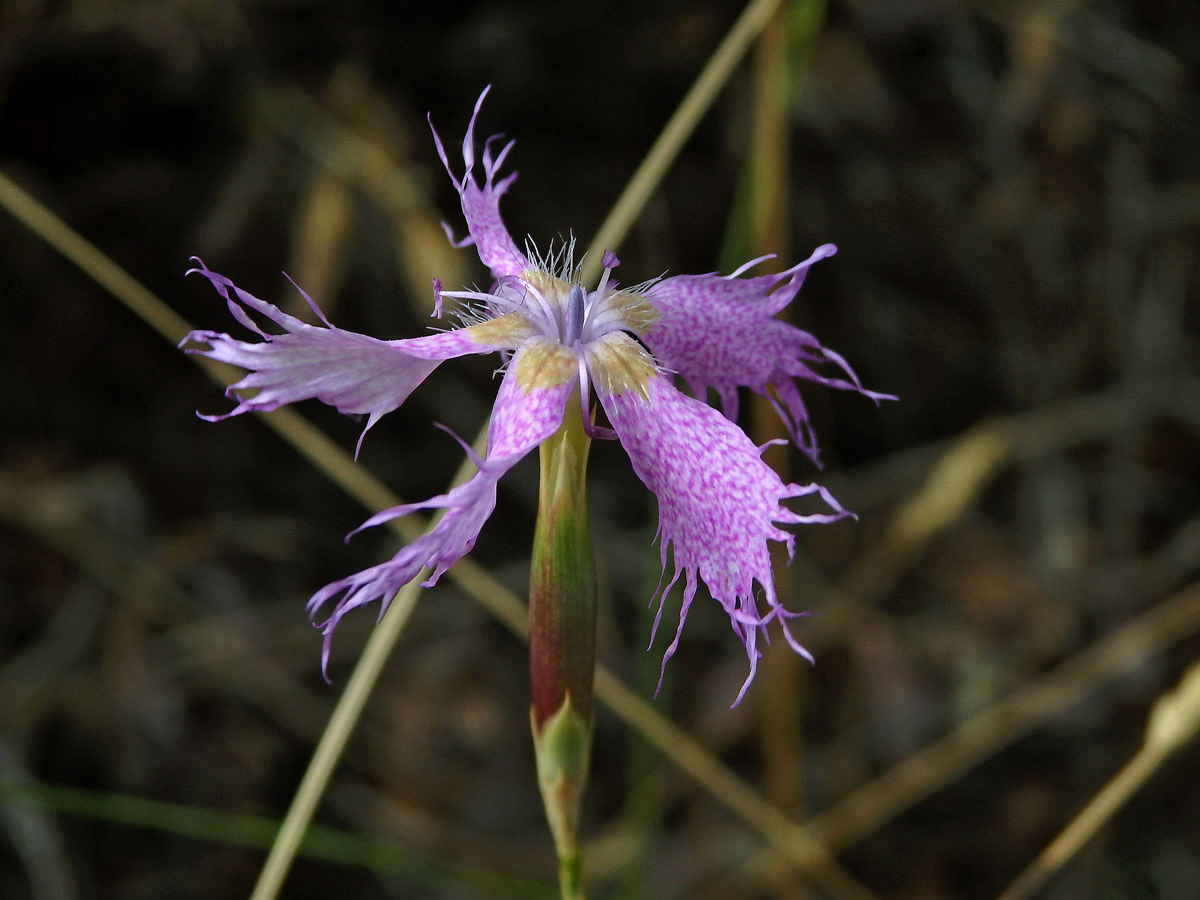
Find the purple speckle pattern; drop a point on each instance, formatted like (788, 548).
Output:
(720, 331)
(521, 420)
(718, 505)
(481, 203)
(357, 374)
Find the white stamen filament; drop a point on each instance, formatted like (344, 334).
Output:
(548, 312)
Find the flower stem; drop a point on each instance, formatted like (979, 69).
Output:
(570, 876)
(562, 642)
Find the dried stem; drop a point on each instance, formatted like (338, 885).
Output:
(1174, 721)
(678, 129)
(333, 740)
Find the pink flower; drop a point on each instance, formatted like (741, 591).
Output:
(719, 504)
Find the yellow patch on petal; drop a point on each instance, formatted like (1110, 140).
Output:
(508, 330)
(551, 287)
(634, 311)
(619, 365)
(544, 364)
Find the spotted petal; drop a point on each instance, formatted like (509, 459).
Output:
(528, 409)
(718, 502)
(481, 204)
(357, 374)
(720, 331)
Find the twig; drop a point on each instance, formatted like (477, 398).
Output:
(1174, 721)
(333, 740)
(928, 770)
(679, 127)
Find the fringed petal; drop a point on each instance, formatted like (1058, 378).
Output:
(358, 375)
(718, 502)
(481, 203)
(720, 331)
(528, 409)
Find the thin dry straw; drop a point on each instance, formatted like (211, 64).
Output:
(765, 195)
(1174, 721)
(678, 129)
(939, 763)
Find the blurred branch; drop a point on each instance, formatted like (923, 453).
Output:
(679, 127)
(940, 763)
(241, 829)
(955, 480)
(35, 838)
(1174, 721)
(334, 738)
(367, 155)
(765, 184)
(934, 767)
(967, 465)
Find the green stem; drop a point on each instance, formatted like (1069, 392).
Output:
(562, 580)
(562, 641)
(570, 876)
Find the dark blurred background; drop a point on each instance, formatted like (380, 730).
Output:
(1015, 192)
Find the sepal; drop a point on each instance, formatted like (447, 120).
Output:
(563, 748)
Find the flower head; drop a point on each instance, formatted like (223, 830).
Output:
(563, 342)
